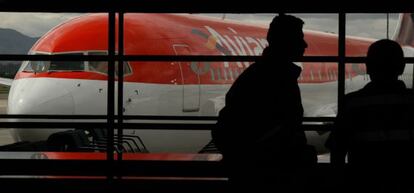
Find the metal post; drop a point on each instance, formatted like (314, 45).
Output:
(341, 66)
(111, 94)
(120, 79)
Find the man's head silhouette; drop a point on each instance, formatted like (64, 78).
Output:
(385, 60)
(286, 38)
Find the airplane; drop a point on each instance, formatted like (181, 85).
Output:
(171, 87)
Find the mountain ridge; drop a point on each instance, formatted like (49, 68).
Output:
(13, 42)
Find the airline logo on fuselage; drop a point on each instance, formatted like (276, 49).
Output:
(230, 43)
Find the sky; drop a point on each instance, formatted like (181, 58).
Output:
(364, 25)
(33, 24)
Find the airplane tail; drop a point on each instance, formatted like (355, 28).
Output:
(6, 81)
(405, 30)
(404, 34)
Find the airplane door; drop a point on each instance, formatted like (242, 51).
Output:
(190, 80)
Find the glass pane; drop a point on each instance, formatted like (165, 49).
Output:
(357, 78)
(197, 88)
(364, 29)
(19, 31)
(319, 84)
(217, 34)
(55, 87)
(371, 25)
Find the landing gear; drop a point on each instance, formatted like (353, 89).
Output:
(80, 140)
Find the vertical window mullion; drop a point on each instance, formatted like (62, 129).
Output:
(120, 78)
(111, 94)
(341, 59)
(341, 66)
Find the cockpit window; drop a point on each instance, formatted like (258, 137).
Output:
(98, 66)
(36, 66)
(102, 66)
(58, 66)
(67, 65)
(48, 66)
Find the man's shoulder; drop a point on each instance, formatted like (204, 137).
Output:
(409, 92)
(251, 72)
(356, 94)
(367, 93)
(363, 98)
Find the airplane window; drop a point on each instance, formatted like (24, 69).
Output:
(127, 69)
(102, 66)
(47, 66)
(98, 66)
(67, 65)
(36, 66)
(94, 66)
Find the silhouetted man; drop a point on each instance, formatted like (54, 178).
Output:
(375, 128)
(259, 130)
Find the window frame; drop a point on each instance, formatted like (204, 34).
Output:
(176, 6)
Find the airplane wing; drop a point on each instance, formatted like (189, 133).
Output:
(6, 81)
(327, 110)
(215, 105)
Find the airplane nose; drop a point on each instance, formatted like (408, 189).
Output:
(39, 96)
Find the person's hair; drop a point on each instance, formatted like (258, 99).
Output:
(385, 57)
(284, 26)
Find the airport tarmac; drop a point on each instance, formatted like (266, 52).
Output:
(5, 136)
